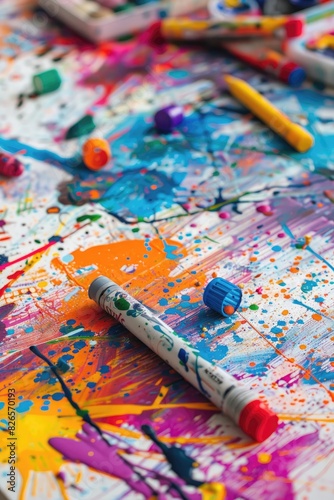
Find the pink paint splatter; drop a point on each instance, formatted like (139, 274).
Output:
(264, 209)
(224, 215)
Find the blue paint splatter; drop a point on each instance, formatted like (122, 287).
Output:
(308, 285)
(57, 396)
(24, 406)
(80, 344)
(183, 357)
(104, 369)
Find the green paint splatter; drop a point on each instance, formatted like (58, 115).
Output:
(215, 173)
(92, 218)
(82, 413)
(135, 229)
(122, 304)
(254, 307)
(140, 219)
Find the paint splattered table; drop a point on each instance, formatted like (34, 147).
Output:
(219, 196)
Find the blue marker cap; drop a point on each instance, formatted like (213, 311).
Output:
(292, 74)
(297, 77)
(222, 296)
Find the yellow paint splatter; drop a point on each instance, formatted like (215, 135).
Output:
(264, 458)
(42, 284)
(213, 491)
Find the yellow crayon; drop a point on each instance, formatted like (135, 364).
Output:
(294, 134)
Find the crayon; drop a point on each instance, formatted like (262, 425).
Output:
(294, 134)
(222, 389)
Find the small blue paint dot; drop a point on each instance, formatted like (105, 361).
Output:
(276, 248)
(57, 396)
(91, 385)
(104, 369)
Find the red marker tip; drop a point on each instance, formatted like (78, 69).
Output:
(258, 421)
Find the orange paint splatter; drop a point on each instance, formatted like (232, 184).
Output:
(316, 317)
(53, 210)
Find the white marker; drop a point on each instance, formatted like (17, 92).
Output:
(221, 388)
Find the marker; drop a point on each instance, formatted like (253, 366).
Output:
(312, 18)
(294, 134)
(239, 26)
(268, 60)
(221, 388)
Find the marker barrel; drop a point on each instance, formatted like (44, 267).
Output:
(221, 388)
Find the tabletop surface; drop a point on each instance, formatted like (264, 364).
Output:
(221, 195)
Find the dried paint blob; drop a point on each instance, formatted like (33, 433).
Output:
(96, 153)
(254, 307)
(264, 209)
(10, 166)
(53, 210)
(224, 215)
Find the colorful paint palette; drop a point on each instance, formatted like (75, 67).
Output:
(315, 50)
(109, 19)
